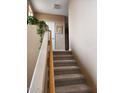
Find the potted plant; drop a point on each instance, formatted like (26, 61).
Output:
(41, 26)
(32, 20)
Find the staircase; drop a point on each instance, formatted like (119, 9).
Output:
(68, 78)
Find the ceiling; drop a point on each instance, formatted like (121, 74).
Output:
(48, 6)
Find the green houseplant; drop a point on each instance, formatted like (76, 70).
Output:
(32, 20)
(41, 26)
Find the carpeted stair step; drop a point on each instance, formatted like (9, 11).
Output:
(68, 79)
(62, 53)
(63, 57)
(64, 63)
(66, 70)
(79, 88)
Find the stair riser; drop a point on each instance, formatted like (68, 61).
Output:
(63, 58)
(57, 64)
(70, 71)
(87, 91)
(62, 53)
(70, 81)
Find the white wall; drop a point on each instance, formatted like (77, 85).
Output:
(33, 44)
(83, 33)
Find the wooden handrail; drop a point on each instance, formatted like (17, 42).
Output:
(39, 75)
(52, 81)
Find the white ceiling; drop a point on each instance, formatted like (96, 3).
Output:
(47, 6)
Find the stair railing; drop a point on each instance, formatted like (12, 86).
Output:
(39, 78)
(38, 82)
(51, 68)
(40, 72)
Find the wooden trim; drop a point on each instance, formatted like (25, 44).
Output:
(52, 81)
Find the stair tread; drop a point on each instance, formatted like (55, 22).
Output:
(62, 51)
(68, 60)
(69, 76)
(78, 88)
(62, 55)
(66, 67)
(64, 63)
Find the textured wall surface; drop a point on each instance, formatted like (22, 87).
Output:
(83, 33)
(33, 43)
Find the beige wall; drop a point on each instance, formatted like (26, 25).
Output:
(33, 43)
(59, 20)
(83, 33)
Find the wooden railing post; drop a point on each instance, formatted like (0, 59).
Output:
(51, 70)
